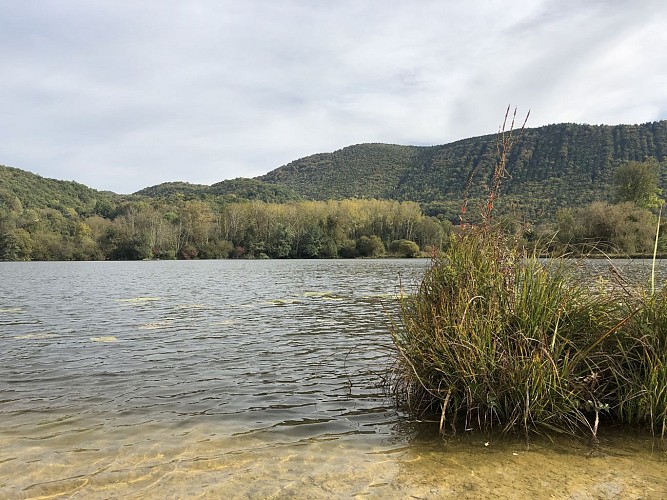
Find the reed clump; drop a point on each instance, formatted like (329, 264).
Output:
(497, 339)
(642, 365)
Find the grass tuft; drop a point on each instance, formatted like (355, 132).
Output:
(496, 339)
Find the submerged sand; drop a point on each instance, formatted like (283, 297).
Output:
(246, 467)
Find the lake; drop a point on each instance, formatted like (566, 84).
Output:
(249, 379)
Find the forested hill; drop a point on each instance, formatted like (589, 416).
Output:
(21, 190)
(550, 167)
(228, 190)
(361, 171)
(24, 190)
(406, 199)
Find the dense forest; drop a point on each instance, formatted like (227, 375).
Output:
(568, 187)
(551, 167)
(188, 229)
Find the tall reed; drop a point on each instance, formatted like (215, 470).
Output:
(642, 354)
(494, 338)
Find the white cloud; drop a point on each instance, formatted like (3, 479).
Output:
(123, 95)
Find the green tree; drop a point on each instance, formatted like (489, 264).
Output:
(622, 227)
(9, 202)
(280, 242)
(313, 242)
(348, 249)
(15, 245)
(49, 245)
(637, 182)
(122, 243)
(218, 249)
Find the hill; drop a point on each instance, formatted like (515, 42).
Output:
(361, 171)
(26, 190)
(228, 190)
(550, 167)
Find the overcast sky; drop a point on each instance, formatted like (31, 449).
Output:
(121, 95)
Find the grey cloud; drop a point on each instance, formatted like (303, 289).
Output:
(122, 95)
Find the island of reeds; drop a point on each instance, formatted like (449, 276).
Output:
(496, 339)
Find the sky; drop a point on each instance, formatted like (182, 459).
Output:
(120, 95)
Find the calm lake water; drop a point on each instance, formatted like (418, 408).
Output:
(249, 379)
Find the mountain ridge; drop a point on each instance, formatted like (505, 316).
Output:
(563, 165)
(550, 167)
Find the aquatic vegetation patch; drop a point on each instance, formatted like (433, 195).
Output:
(283, 302)
(11, 310)
(318, 294)
(492, 339)
(40, 335)
(224, 322)
(155, 326)
(138, 300)
(390, 296)
(642, 358)
(190, 307)
(323, 296)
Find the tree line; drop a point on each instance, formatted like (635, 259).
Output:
(194, 229)
(176, 226)
(625, 226)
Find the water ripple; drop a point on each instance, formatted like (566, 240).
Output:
(128, 354)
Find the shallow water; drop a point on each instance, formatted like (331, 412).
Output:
(248, 379)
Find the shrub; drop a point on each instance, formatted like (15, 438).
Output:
(348, 249)
(370, 246)
(404, 248)
(215, 249)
